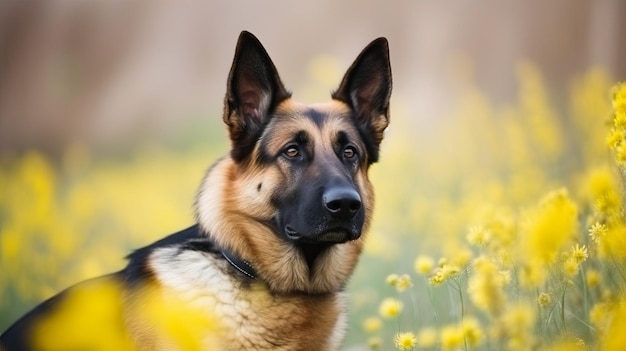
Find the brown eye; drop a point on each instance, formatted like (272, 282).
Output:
(349, 152)
(292, 151)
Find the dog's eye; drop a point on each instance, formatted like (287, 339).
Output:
(349, 152)
(292, 151)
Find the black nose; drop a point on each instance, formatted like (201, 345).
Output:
(342, 202)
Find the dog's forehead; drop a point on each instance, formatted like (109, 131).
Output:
(333, 114)
(322, 122)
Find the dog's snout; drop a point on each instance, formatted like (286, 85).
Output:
(342, 202)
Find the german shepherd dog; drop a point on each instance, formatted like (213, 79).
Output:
(280, 224)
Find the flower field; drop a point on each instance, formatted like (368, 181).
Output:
(500, 228)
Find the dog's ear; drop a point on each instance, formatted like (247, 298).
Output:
(366, 88)
(254, 89)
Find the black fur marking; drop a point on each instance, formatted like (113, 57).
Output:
(311, 252)
(191, 238)
(258, 187)
(318, 117)
(243, 147)
(19, 335)
(372, 148)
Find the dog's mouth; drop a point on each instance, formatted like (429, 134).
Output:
(336, 235)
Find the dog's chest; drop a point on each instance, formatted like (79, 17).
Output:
(248, 316)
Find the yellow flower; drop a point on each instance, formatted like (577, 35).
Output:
(403, 283)
(615, 138)
(400, 282)
(478, 235)
(424, 264)
(613, 244)
(392, 279)
(593, 277)
(451, 337)
(604, 189)
(390, 308)
(619, 96)
(570, 266)
(472, 332)
(599, 314)
(372, 324)
(485, 286)
(442, 274)
(614, 337)
(427, 337)
(405, 341)
(374, 342)
(549, 226)
(544, 299)
(517, 327)
(597, 232)
(579, 253)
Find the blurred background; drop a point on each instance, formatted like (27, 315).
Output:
(104, 72)
(110, 113)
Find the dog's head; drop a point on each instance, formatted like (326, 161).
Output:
(296, 178)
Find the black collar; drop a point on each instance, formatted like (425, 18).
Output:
(241, 265)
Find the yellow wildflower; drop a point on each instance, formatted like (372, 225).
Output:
(392, 279)
(400, 282)
(478, 236)
(614, 337)
(405, 341)
(517, 324)
(599, 314)
(436, 279)
(579, 253)
(460, 257)
(472, 332)
(427, 337)
(442, 274)
(374, 342)
(403, 283)
(544, 299)
(620, 153)
(570, 266)
(390, 307)
(485, 286)
(613, 244)
(615, 138)
(597, 232)
(593, 277)
(372, 324)
(549, 226)
(451, 337)
(424, 264)
(619, 97)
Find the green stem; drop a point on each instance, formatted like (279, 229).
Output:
(563, 310)
(415, 309)
(432, 303)
(585, 294)
(462, 303)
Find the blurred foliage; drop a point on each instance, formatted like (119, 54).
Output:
(496, 200)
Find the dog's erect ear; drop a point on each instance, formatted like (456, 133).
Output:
(254, 89)
(366, 88)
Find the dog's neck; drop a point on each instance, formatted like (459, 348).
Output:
(239, 264)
